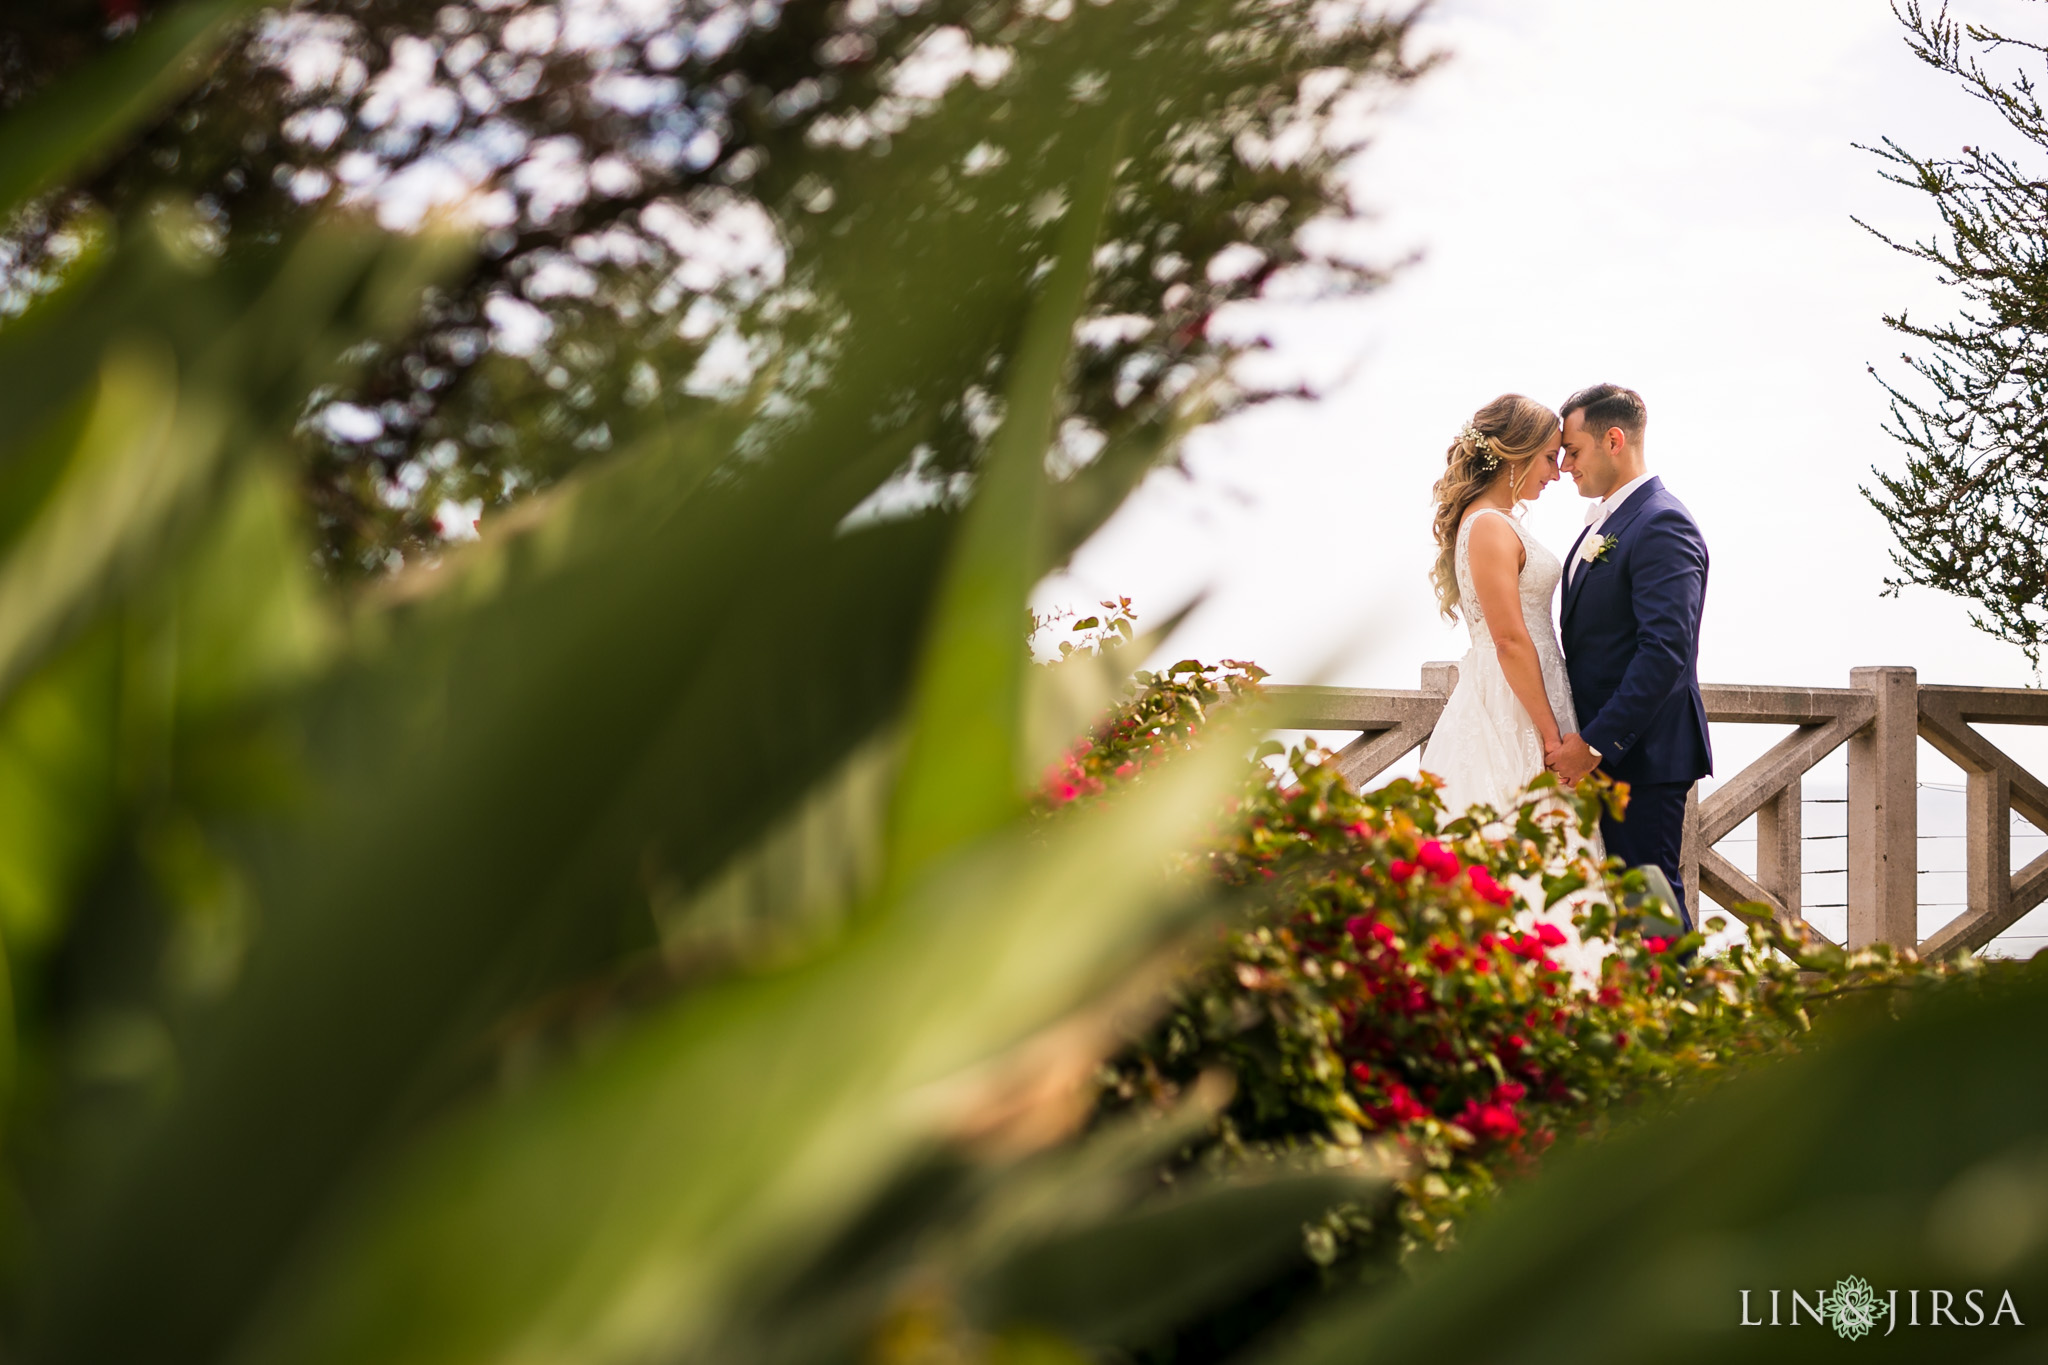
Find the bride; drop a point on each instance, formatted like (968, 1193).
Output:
(1513, 702)
(1512, 706)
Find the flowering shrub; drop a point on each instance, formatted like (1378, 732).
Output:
(1391, 985)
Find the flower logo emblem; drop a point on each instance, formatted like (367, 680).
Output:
(1853, 1308)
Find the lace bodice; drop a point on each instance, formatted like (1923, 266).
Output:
(1541, 571)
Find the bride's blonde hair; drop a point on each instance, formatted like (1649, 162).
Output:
(1512, 431)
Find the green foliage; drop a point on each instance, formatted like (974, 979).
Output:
(511, 962)
(1390, 983)
(658, 181)
(1969, 508)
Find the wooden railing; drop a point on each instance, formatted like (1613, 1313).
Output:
(1879, 716)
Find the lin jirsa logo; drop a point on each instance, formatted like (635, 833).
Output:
(1853, 1309)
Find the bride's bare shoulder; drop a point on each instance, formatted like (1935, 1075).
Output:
(1490, 524)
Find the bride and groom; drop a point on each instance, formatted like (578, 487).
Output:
(1621, 693)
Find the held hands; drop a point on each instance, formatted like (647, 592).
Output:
(1571, 758)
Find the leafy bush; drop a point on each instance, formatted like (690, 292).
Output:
(1391, 982)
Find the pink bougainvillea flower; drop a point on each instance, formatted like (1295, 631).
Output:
(1552, 936)
(1439, 861)
(1492, 1122)
(1401, 869)
(1126, 768)
(1656, 945)
(1487, 889)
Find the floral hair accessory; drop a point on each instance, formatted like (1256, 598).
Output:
(1481, 442)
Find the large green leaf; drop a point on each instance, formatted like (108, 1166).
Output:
(961, 770)
(67, 129)
(581, 1222)
(1909, 1153)
(139, 391)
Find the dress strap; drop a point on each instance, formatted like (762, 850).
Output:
(1473, 520)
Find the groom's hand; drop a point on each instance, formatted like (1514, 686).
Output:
(1572, 760)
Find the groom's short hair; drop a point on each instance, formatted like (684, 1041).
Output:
(1609, 405)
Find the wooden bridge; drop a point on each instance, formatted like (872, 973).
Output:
(1879, 716)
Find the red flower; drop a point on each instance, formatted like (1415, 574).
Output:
(1364, 930)
(1358, 828)
(1656, 945)
(1495, 1122)
(1400, 869)
(1361, 1073)
(1509, 1092)
(1514, 1042)
(1126, 768)
(1552, 936)
(1610, 995)
(1486, 888)
(1440, 862)
(1401, 1106)
(1621, 1040)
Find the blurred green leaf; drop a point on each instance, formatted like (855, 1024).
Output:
(65, 130)
(963, 767)
(803, 1090)
(1869, 1155)
(1129, 1280)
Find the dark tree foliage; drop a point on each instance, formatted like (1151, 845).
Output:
(654, 178)
(1970, 509)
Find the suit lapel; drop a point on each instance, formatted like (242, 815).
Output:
(1617, 522)
(1571, 580)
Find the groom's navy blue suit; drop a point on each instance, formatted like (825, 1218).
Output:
(1631, 635)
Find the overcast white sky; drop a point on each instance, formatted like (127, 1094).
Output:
(1603, 190)
(1658, 195)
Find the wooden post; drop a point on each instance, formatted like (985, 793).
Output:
(1884, 816)
(1689, 855)
(1778, 829)
(1989, 843)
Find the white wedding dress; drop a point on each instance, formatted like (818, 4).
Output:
(1485, 749)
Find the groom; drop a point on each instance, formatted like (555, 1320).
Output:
(1635, 581)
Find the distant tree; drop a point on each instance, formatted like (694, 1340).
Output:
(1970, 509)
(651, 175)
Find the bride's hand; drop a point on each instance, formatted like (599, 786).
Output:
(1572, 760)
(1552, 749)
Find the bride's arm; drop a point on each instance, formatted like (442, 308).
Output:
(1496, 556)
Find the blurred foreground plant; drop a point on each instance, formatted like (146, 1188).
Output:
(631, 939)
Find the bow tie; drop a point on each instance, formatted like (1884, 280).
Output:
(1597, 513)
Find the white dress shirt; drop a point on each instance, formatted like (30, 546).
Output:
(1597, 514)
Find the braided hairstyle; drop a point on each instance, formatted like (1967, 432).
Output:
(1511, 431)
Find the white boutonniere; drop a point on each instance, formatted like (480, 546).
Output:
(1593, 548)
